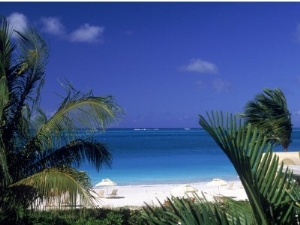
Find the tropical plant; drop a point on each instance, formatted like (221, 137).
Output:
(270, 188)
(182, 211)
(39, 156)
(272, 191)
(269, 113)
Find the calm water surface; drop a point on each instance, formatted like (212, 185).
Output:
(154, 156)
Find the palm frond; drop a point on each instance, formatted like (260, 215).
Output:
(265, 183)
(6, 48)
(56, 182)
(4, 171)
(4, 95)
(5, 176)
(72, 154)
(36, 153)
(34, 120)
(79, 112)
(24, 78)
(268, 111)
(101, 110)
(240, 210)
(186, 212)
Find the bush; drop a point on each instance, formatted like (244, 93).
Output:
(120, 216)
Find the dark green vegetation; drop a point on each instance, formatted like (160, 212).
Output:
(204, 213)
(268, 112)
(39, 155)
(199, 211)
(121, 216)
(272, 192)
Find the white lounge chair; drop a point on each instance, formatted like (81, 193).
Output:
(113, 194)
(230, 186)
(101, 194)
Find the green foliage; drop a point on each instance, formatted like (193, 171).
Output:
(186, 212)
(121, 216)
(269, 113)
(270, 188)
(39, 155)
(273, 195)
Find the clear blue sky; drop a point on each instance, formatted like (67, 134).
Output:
(166, 63)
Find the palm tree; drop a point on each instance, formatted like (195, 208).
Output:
(39, 155)
(186, 212)
(268, 111)
(272, 193)
(271, 190)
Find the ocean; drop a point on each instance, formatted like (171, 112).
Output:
(165, 156)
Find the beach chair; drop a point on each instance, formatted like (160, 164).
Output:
(113, 194)
(101, 194)
(230, 186)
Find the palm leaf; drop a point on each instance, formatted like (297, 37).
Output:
(267, 185)
(81, 112)
(6, 48)
(77, 113)
(74, 153)
(28, 76)
(57, 181)
(195, 213)
(268, 111)
(24, 70)
(5, 176)
(238, 211)
(36, 153)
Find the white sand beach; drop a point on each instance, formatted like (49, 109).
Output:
(138, 195)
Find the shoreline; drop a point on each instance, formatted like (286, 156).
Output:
(138, 195)
(199, 178)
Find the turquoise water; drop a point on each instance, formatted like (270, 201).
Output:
(154, 156)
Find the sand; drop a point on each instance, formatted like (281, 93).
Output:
(138, 195)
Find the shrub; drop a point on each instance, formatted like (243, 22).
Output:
(100, 216)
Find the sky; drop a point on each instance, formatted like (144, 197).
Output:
(166, 63)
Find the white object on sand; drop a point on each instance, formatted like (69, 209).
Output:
(217, 182)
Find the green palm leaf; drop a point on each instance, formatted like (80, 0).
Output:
(80, 111)
(6, 48)
(185, 212)
(57, 181)
(267, 185)
(74, 153)
(38, 155)
(269, 113)
(27, 74)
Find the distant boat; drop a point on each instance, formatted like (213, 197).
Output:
(145, 129)
(187, 128)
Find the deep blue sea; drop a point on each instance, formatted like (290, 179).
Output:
(155, 156)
